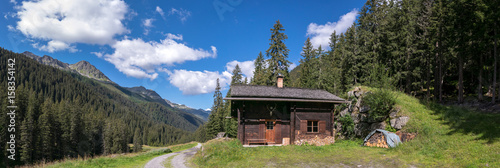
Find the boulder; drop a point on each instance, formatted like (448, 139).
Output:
(364, 109)
(379, 125)
(361, 129)
(394, 112)
(399, 122)
(344, 112)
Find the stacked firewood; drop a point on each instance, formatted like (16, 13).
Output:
(377, 140)
(405, 137)
(317, 140)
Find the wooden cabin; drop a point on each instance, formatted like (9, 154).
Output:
(281, 115)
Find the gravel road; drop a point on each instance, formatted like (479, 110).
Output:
(177, 161)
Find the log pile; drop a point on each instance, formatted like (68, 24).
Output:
(405, 137)
(317, 140)
(377, 140)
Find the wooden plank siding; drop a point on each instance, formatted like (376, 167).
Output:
(289, 117)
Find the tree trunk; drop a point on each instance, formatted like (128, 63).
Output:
(437, 73)
(480, 78)
(428, 75)
(494, 65)
(460, 79)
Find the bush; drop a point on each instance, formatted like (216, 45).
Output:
(347, 126)
(381, 102)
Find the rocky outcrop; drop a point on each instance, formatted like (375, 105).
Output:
(363, 123)
(86, 69)
(83, 68)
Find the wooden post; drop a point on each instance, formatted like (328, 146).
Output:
(292, 125)
(332, 121)
(243, 123)
(240, 126)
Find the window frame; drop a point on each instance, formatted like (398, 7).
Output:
(312, 124)
(269, 123)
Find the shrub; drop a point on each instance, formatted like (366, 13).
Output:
(347, 126)
(381, 101)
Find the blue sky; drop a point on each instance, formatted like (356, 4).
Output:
(177, 48)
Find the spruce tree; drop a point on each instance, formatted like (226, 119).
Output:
(306, 75)
(137, 140)
(215, 122)
(45, 123)
(278, 55)
(259, 74)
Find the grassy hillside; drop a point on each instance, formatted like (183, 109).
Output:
(448, 136)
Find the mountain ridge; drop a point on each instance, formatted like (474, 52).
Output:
(86, 69)
(83, 67)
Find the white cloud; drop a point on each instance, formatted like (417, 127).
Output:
(13, 2)
(98, 54)
(181, 13)
(292, 66)
(63, 23)
(147, 23)
(201, 82)
(55, 46)
(247, 67)
(11, 28)
(141, 59)
(321, 33)
(160, 11)
(197, 82)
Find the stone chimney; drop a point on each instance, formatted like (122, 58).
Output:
(279, 82)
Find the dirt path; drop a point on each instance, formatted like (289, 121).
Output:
(177, 161)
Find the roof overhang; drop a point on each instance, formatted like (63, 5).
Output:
(283, 99)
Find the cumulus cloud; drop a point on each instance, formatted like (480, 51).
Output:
(247, 67)
(13, 2)
(63, 23)
(147, 23)
(182, 14)
(198, 82)
(321, 33)
(201, 82)
(160, 11)
(140, 59)
(54, 45)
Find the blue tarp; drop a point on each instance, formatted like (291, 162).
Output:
(391, 138)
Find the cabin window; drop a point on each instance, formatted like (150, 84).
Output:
(270, 125)
(312, 126)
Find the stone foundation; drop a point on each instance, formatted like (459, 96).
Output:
(314, 139)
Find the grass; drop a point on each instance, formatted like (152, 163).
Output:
(130, 160)
(448, 136)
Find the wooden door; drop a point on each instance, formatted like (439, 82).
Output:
(270, 132)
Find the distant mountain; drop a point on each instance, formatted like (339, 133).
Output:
(86, 69)
(151, 95)
(198, 112)
(83, 68)
(195, 117)
(146, 93)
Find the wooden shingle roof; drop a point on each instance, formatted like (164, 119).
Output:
(272, 93)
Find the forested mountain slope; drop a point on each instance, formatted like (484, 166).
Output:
(62, 114)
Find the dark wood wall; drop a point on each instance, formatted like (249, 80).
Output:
(253, 114)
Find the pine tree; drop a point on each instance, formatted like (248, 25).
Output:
(45, 123)
(306, 77)
(27, 138)
(137, 140)
(278, 53)
(215, 122)
(259, 74)
(237, 77)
